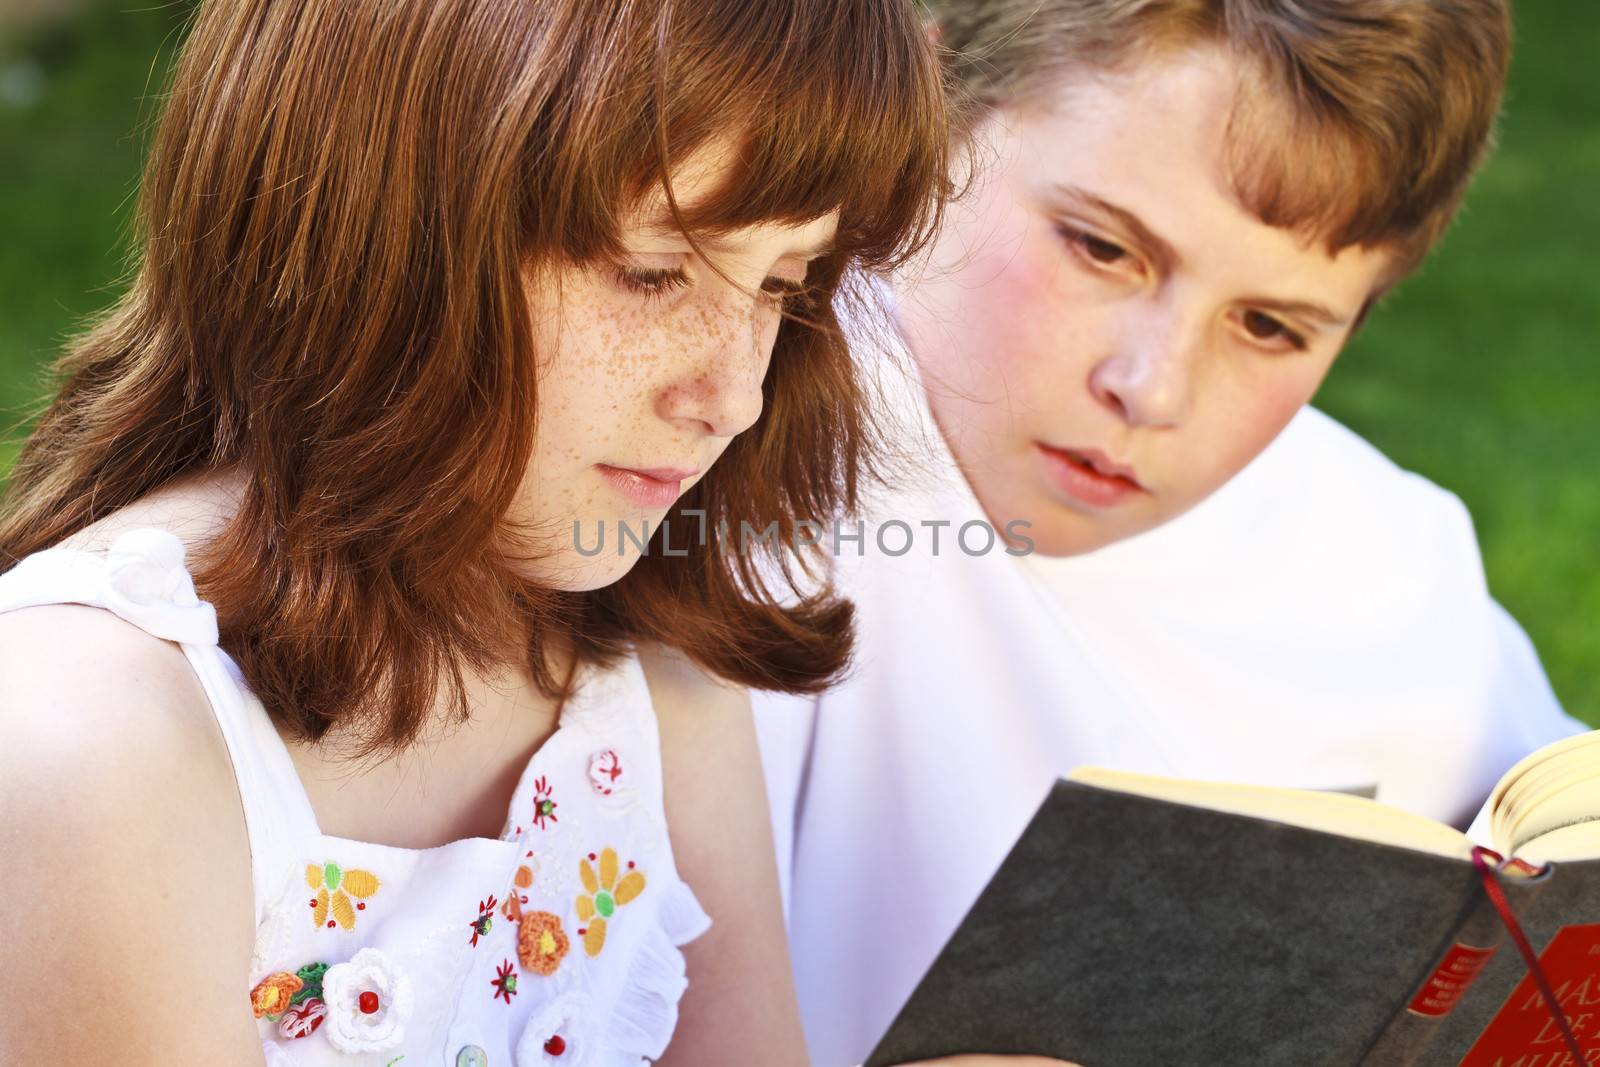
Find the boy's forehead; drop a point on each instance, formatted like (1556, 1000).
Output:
(1150, 143)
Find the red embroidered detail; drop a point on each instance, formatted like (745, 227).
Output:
(361, 905)
(555, 1046)
(302, 1019)
(505, 982)
(605, 767)
(543, 806)
(368, 1003)
(485, 920)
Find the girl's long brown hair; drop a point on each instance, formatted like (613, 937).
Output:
(336, 213)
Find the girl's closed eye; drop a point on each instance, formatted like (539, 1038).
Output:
(658, 282)
(652, 282)
(784, 290)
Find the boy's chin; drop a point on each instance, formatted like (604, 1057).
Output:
(1058, 531)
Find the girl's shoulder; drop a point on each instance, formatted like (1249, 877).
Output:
(117, 800)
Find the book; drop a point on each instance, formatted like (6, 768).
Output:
(1143, 921)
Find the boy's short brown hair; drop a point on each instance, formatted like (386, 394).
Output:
(1359, 122)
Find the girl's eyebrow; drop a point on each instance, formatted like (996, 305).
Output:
(664, 227)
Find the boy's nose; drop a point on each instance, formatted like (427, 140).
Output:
(1147, 378)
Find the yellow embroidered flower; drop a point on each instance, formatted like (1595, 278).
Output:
(271, 994)
(335, 887)
(605, 895)
(541, 943)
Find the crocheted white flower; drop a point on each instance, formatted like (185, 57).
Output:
(369, 1002)
(556, 1035)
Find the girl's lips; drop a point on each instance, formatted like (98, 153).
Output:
(1089, 477)
(657, 487)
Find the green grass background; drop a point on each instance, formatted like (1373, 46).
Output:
(1481, 373)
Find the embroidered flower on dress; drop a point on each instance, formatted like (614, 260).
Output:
(368, 1001)
(302, 1020)
(485, 920)
(512, 908)
(605, 895)
(543, 807)
(504, 982)
(272, 994)
(556, 1035)
(335, 886)
(605, 767)
(541, 943)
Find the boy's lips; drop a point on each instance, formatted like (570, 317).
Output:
(1089, 475)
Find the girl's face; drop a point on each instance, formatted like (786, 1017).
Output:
(1106, 334)
(649, 368)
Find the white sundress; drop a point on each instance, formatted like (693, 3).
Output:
(555, 944)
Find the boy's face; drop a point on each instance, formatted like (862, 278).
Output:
(1107, 336)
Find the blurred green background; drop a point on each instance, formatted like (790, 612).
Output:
(1482, 373)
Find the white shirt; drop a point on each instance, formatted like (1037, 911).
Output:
(1321, 621)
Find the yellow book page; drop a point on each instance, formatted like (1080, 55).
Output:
(1580, 841)
(1333, 813)
(1549, 803)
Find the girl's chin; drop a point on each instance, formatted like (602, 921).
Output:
(574, 573)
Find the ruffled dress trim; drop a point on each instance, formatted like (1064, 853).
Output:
(646, 1013)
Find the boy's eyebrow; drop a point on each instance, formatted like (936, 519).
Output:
(1167, 257)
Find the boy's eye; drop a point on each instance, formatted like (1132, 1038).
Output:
(1101, 251)
(1263, 327)
(651, 281)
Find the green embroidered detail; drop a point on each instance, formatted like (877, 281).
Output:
(331, 875)
(311, 974)
(604, 904)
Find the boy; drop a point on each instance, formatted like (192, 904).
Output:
(1180, 211)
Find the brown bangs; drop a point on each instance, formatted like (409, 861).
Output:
(818, 122)
(1364, 131)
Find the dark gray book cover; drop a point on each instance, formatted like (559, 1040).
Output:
(1124, 931)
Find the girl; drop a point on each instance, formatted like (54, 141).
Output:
(358, 759)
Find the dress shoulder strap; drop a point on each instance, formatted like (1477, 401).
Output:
(142, 579)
